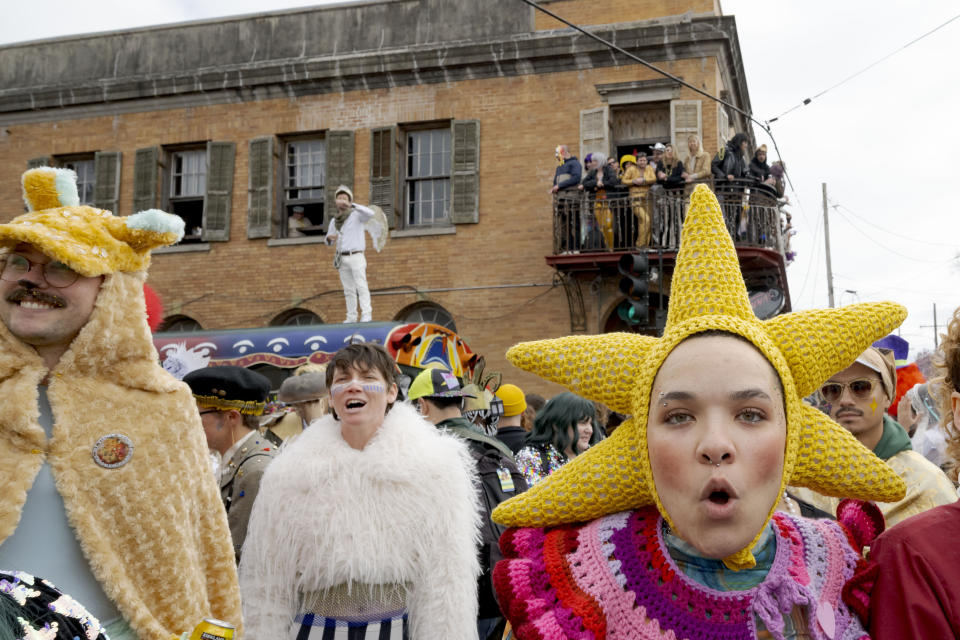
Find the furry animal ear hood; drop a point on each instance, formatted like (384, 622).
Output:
(91, 241)
(618, 369)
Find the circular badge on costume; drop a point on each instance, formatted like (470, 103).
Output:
(113, 450)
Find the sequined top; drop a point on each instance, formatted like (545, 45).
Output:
(532, 459)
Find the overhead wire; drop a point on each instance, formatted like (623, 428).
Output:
(900, 236)
(815, 251)
(883, 246)
(667, 74)
(807, 101)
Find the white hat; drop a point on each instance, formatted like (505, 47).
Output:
(344, 189)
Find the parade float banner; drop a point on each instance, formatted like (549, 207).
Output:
(418, 344)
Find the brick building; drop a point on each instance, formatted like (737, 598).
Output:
(444, 113)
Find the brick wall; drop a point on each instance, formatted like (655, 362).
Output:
(246, 283)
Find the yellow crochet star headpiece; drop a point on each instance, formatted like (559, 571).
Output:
(92, 242)
(618, 369)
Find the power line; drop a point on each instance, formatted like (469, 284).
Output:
(912, 277)
(900, 236)
(883, 246)
(813, 258)
(807, 101)
(763, 125)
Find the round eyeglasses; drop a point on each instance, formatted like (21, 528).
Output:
(860, 388)
(55, 273)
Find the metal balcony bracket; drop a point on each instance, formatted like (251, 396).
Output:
(571, 287)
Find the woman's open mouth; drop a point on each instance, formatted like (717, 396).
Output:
(719, 498)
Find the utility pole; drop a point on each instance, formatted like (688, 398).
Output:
(936, 329)
(826, 242)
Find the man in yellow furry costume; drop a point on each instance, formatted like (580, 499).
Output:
(105, 474)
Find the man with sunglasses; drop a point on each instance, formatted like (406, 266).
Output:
(858, 398)
(230, 401)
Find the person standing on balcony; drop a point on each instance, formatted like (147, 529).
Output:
(656, 159)
(665, 211)
(616, 201)
(697, 164)
(729, 167)
(670, 174)
(635, 225)
(566, 179)
(759, 169)
(599, 178)
(346, 230)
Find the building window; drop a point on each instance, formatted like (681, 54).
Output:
(179, 323)
(427, 176)
(428, 312)
(188, 186)
(296, 318)
(304, 187)
(86, 177)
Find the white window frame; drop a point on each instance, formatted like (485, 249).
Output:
(423, 212)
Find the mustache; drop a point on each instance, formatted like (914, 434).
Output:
(849, 412)
(36, 296)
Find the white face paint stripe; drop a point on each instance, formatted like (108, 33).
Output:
(369, 387)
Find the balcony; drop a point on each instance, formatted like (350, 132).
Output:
(585, 224)
(590, 234)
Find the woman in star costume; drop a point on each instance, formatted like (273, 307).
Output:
(669, 529)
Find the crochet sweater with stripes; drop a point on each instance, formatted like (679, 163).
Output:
(614, 578)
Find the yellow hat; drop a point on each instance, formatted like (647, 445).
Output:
(707, 293)
(628, 158)
(92, 242)
(514, 402)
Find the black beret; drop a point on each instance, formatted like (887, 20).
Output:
(229, 387)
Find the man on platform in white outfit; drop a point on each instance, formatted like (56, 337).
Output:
(347, 230)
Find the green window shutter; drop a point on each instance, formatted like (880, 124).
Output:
(42, 161)
(216, 204)
(465, 188)
(145, 178)
(106, 186)
(260, 206)
(383, 145)
(339, 169)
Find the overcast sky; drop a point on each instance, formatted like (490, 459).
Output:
(886, 143)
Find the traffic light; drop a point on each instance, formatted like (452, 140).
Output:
(635, 269)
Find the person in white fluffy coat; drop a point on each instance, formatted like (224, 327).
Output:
(368, 518)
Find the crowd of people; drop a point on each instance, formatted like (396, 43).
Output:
(733, 478)
(610, 204)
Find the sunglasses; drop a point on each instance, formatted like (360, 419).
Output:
(861, 388)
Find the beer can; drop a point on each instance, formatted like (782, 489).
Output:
(210, 629)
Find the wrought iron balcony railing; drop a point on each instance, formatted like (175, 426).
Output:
(619, 222)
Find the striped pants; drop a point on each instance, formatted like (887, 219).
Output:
(314, 627)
